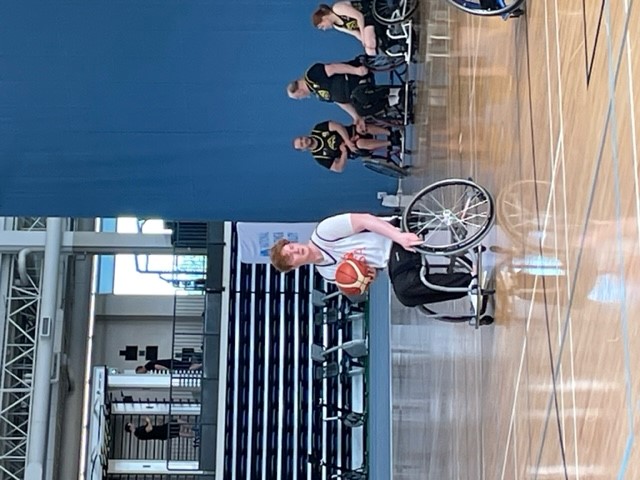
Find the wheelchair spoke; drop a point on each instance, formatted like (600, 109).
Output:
(426, 226)
(451, 216)
(466, 220)
(464, 224)
(470, 207)
(437, 202)
(454, 233)
(427, 212)
(460, 199)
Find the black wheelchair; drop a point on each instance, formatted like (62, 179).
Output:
(490, 8)
(368, 97)
(453, 217)
(390, 163)
(393, 12)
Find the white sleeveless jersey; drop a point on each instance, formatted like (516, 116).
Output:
(335, 238)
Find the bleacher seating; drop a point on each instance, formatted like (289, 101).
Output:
(272, 315)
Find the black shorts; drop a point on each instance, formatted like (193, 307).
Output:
(366, 8)
(404, 270)
(370, 100)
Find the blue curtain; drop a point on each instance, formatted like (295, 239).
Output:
(167, 108)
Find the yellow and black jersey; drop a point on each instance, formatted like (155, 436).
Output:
(351, 24)
(327, 148)
(335, 88)
(348, 23)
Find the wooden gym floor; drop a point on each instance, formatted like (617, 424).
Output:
(541, 110)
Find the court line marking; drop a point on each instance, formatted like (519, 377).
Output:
(519, 83)
(536, 278)
(473, 137)
(553, 210)
(578, 260)
(624, 319)
(566, 247)
(634, 140)
(593, 185)
(589, 60)
(554, 152)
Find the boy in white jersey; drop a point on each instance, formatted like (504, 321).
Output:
(380, 243)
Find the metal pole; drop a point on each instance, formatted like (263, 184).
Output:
(39, 421)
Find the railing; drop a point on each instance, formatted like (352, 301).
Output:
(188, 343)
(100, 428)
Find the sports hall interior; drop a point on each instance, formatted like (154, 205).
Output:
(113, 108)
(541, 110)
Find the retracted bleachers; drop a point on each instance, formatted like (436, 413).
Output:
(273, 421)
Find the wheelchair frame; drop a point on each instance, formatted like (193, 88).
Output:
(398, 116)
(393, 15)
(461, 210)
(513, 9)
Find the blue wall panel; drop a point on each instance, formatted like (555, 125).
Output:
(168, 108)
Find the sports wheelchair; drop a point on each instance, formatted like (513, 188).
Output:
(453, 217)
(490, 8)
(393, 12)
(397, 116)
(400, 114)
(389, 163)
(394, 28)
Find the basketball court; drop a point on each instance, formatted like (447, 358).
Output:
(541, 110)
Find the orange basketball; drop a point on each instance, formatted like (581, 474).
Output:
(352, 276)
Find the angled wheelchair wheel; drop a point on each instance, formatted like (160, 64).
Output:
(451, 216)
(385, 167)
(389, 12)
(489, 8)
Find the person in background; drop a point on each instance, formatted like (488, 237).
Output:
(166, 431)
(167, 364)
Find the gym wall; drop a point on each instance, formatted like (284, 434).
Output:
(169, 108)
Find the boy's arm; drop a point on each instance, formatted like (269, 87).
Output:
(365, 222)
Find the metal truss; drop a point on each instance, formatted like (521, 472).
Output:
(18, 361)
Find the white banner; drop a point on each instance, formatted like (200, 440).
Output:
(255, 239)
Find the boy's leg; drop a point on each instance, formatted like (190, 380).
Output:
(372, 143)
(377, 130)
(404, 271)
(370, 100)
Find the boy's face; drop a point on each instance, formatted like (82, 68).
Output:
(297, 254)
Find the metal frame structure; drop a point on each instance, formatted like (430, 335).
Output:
(18, 356)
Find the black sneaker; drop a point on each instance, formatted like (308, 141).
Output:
(395, 137)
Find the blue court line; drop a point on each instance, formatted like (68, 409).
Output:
(624, 320)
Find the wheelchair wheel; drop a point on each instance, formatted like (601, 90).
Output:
(389, 12)
(451, 216)
(502, 7)
(385, 167)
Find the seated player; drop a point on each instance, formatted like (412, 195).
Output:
(350, 85)
(354, 18)
(331, 144)
(380, 243)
